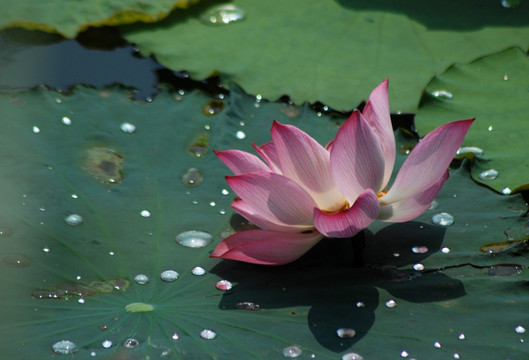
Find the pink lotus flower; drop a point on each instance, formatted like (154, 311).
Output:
(303, 191)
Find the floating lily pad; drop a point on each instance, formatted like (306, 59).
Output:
(126, 287)
(69, 18)
(332, 51)
(495, 90)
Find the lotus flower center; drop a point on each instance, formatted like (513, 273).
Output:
(380, 194)
(332, 212)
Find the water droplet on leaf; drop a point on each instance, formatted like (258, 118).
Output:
(352, 356)
(419, 249)
(509, 4)
(199, 146)
(138, 307)
(223, 285)
(127, 128)
(469, 151)
(194, 238)
(519, 329)
(442, 94)
(192, 177)
(443, 219)
(208, 334)
(141, 279)
(506, 191)
(169, 275)
(145, 213)
(223, 15)
(461, 336)
(36, 130)
(437, 344)
(247, 305)
(418, 267)
(64, 347)
(74, 219)
(391, 303)
(198, 271)
(490, 174)
(131, 343)
(345, 333)
(404, 354)
(406, 149)
(107, 344)
(292, 351)
(66, 120)
(240, 135)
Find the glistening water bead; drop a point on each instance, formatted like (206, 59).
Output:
(292, 351)
(345, 333)
(127, 128)
(223, 15)
(74, 219)
(443, 219)
(169, 275)
(490, 174)
(352, 356)
(223, 285)
(141, 279)
(194, 238)
(208, 334)
(64, 347)
(192, 177)
(198, 271)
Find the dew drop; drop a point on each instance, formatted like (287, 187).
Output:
(406, 149)
(223, 15)
(433, 205)
(506, 191)
(16, 261)
(223, 285)
(345, 333)
(391, 303)
(212, 203)
(74, 196)
(192, 177)
(292, 351)
(64, 347)
(490, 128)
(175, 336)
(360, 304)
(169, 275)
(74, 219)
(418, 267)
(470, 150)
(510, 4)
(145, 213)
(199, 147)
(141, 279)
(352, 356)
(48, 294)
(46, 249)
(127, 128)
(208, 334)
(442, 95)
(519, 329)
(194, 238)
(225, 192)
(248, 305)
(198, 271)
(240, 135)
(404, 354)
(456, 356)
(461, 336)
(490, 174)
(443, 218)
(437, 344)
(213, 108)
(445, 250)
(419, 249)
(138, 307)
(107, 344)
(36, 130)
(131, 343)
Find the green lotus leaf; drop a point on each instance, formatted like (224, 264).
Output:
(494, 89)
(331, 51)
(70, 18)
(121, 269)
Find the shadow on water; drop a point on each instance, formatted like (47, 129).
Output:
(340, 288)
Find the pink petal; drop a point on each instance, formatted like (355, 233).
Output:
(376, 113)
(410, 208)
(241, 162)
(428, 161)
(266, 247)
(306, 162)
(349, 222)
(269, 154)
(357, 162)
(274, 196)
(262, 221)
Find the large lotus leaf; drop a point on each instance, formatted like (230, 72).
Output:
(333, 51)
(494, 89)
(65, 280)
(69, 18)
